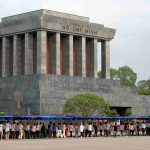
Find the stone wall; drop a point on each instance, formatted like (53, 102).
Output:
(20, 93)
(54, 90)
(46, 94)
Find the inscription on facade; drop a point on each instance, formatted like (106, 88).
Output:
(83, 28)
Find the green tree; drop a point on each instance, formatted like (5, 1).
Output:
(145, 84)
(113, 73)
(144, 87)
(126, 76)
(148, 83)
(86, 105)
(141, 83)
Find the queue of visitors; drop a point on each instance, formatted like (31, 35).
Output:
(91, 129)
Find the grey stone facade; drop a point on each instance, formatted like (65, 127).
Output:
(46, 94)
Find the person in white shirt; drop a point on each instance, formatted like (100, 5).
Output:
(1, 131)
(7, 130)
(131, 128)
(20, 131)
(63, 130)
(59, 133)
(143, 125)
(90, 129)
(121, 129)
(38, 130)
(81, 130)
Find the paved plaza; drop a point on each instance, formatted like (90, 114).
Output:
(119, 143)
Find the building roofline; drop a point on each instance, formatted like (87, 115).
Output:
(45, 11)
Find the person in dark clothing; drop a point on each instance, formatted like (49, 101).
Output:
(17, 130)
(100, 129)
(13, 135)
(54, 130)
(37, 131)
(138, 129)
(115, 130)
(148, 128)
(70, 129)
(43, 131)
(27, 131)
(95, 129)
(49, 130)
(127, 129)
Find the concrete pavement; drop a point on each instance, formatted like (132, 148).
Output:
(110, 143)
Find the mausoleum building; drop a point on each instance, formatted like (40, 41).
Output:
(47, 57)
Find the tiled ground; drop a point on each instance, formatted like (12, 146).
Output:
(119, 143)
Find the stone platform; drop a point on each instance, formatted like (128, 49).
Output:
(46, 94)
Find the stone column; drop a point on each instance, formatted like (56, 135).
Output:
(58, 53)
(4, 47)
(71, 55)
(15, 56)
(95, 58)
(41, 52)
(28, 53)
(83, 49)
(0, 57)
(105, 64)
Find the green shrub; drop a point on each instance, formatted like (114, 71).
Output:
(3, 113)
(86, 105)
(16, 114)
(113, 112)
(142, 91)
(128, 112)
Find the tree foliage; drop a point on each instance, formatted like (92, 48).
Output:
(145, 84)
(113, 73)
(124, 74)
(142, 91)
(86, 105)
(144, 87)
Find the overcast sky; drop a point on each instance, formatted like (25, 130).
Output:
(131, 18)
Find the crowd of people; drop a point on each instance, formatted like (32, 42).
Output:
(18, 130)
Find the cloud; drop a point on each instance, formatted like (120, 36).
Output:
(131, 45)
